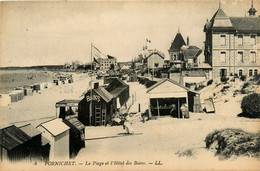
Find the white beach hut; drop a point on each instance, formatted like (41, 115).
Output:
(58, 134)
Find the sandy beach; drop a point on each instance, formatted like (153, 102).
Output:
(178, 143)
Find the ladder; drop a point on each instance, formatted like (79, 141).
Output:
(103, 117)
(97, 115)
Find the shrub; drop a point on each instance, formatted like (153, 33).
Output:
(256, 77)
(251, 105)
(229, 142)
(243, 78)
(245, 85)
(224, 89)
(209, 82)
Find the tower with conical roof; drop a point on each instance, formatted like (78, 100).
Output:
(175, 48)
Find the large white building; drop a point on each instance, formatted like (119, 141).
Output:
(107, 63)
(232, 44)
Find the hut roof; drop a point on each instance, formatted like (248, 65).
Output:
(55, 127)
(74, 124)
(67, 102)
(170, 80)
(115, 93)
(30, 130)
(104, 93)
(12, 137)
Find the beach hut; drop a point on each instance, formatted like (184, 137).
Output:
(58, 134)
(100, 103)
(20, 94)
(36, 87)
(5, 99)
(14, 96)
(45, 149)
(67, 107)
(166, 97)
(28, 92)
(35, 141)
(77, 135)
(14, 144)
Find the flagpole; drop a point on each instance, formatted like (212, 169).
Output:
(90, 108)
(153, 65)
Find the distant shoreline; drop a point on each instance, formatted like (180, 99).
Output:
(48, 67)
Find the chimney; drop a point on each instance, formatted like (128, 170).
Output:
(188, 41)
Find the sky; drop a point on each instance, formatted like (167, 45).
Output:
(53, 33)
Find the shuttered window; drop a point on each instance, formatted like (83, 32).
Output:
(240, 40)
(223, 40)
(223, 57)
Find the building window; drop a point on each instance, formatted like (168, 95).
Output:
(223, 57)
(174, 58)
(250, 72)
(240, 40)
(255, 72)
(240, 56)
(240, 72)
(253, 40)
(156, 65)
(253, 57)
(223, 40)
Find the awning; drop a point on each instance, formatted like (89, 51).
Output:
(68, 102)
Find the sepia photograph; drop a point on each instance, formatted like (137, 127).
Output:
(130, 85)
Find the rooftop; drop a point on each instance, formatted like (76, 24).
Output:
(55, 127)
(12, 137)
(177, 43)
(74, 124)
(30, 130)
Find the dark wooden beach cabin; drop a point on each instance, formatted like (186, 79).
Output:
(67, 107)
(100, 103)
(77, 135)
(167, 97)
(14, 144)
(35, 142)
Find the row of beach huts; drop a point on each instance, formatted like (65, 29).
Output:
(55, 139)
(28, 90)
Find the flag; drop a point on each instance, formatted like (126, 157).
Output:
(96, 54)
(95, 60)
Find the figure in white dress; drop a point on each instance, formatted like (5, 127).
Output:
(128, 125)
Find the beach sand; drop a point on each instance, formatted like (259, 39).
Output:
(165, 139)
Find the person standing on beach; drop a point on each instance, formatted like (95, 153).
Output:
(127, 125)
